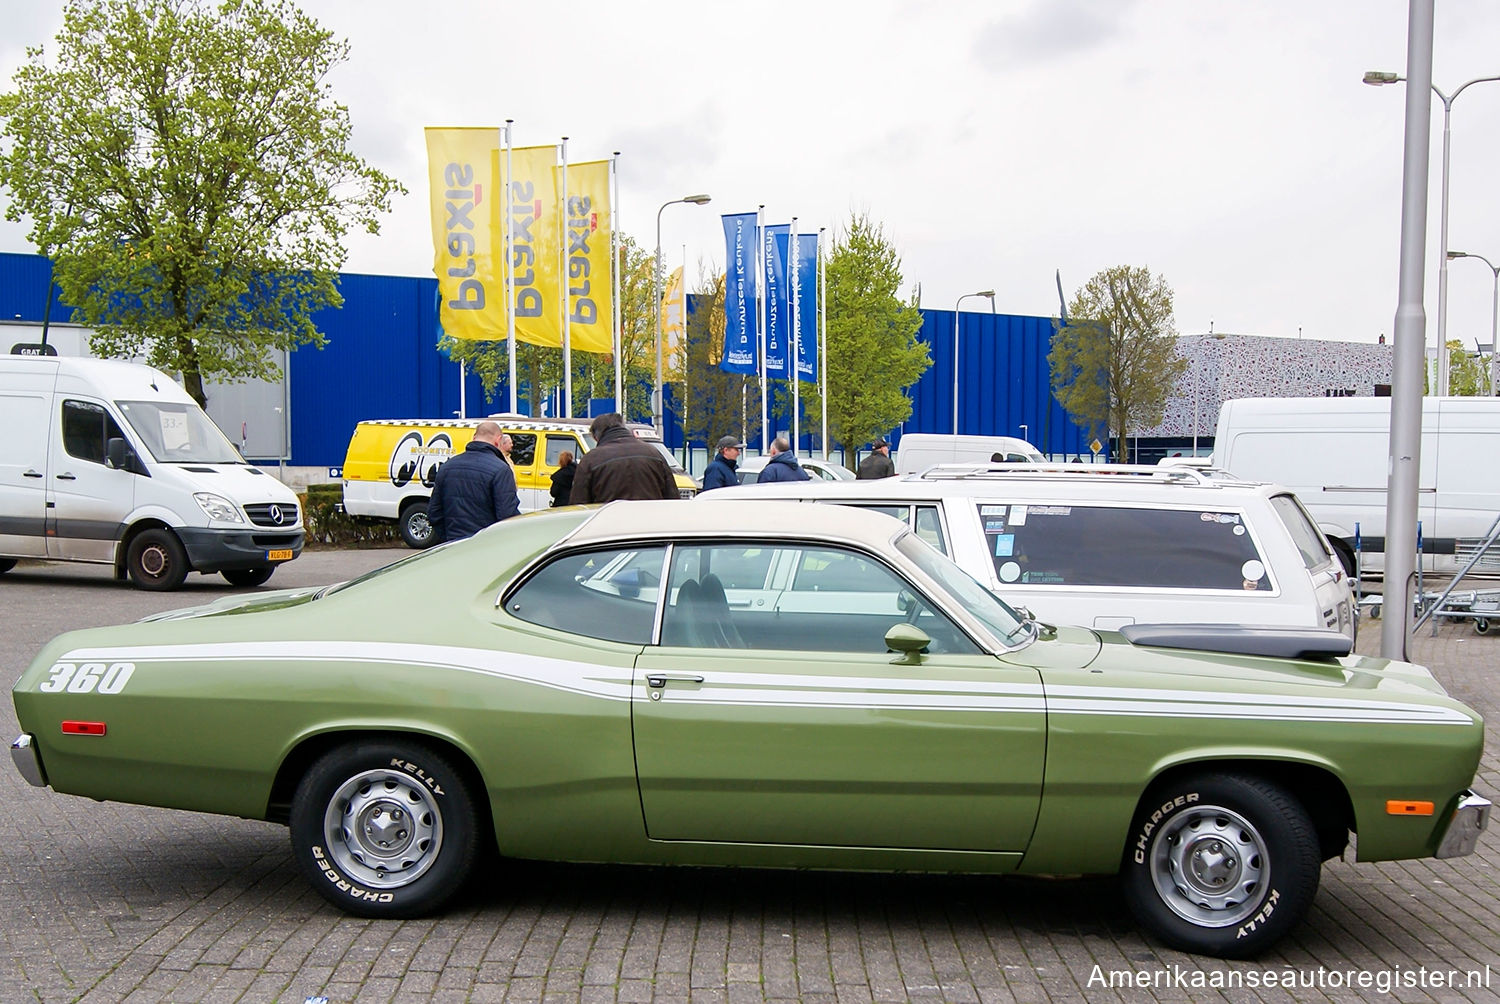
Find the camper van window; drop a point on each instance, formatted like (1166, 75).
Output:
(178, 433)
(87, 427)
(523, 453)
(557, 444)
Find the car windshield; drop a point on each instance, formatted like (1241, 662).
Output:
(984, 605)
(672, 461)
(179, 433)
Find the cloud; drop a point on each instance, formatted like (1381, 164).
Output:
(1047, 29)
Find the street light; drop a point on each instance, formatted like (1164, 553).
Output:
(1377, 78)
(1494, 311)
(990, 294)
(656, 396)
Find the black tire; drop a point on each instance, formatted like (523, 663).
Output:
(415, 529)
(156, 560)
(1345, 554)
(1220, 864)
(386, 828)
(1481, 625)
(248, 577)
(6, 564)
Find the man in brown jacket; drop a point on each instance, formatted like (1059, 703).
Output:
(620, 466)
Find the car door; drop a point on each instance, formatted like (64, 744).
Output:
(773, 713)
(90, 499)
(24, 414)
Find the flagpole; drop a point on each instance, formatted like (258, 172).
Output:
(510, 277)
(616, 338)
(823, 341)
(794, 253)
(562, 276)
(760, 305)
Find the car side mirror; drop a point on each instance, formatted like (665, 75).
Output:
(120, 456)
(908, 639)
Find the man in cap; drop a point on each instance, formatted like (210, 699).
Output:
(722, 470)
(878, 463)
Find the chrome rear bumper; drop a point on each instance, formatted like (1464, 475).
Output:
(1469, 820)
(27, 760)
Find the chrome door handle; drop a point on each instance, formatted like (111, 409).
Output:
(67, 476)
(658, 680)
(31, 474)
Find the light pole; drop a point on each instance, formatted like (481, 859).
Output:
(990, 294)
(1494, 310)
(1377, 78)
(656, 396)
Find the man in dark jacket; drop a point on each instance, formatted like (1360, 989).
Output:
(620, 466)
(878, 463)
(473, 490)
(723, 469)
(783, 465)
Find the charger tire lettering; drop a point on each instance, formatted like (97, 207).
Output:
(344, 885)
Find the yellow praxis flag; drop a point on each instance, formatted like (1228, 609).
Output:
(673, 327)
(590, 220)
(535, 244)
(463, 176)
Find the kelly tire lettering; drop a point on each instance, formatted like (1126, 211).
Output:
(387, 827)
(1220, 864)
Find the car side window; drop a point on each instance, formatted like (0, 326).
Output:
(523, 449)
(928, 525)
(1305, 534)
(87, 429)
(1100, 545)
(557, 444)
(805, 599)
(597, 594)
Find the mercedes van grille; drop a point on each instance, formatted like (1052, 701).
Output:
(277, 514)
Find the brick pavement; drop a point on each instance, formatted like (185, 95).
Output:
(105, 902)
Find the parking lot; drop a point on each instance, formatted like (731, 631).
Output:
(106, 902)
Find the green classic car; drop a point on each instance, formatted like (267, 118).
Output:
(764, 684)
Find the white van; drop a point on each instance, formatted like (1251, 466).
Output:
(1334, 453)
(1106, 545)
(113, 463)
(918, 451)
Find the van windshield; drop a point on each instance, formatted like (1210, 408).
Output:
(178, 433)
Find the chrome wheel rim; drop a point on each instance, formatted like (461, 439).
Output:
(419, 526)
(1209, 865)
(384, 829)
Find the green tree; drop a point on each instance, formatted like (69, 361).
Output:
(1115, 361)
(874, 355)
(539, 367)
(188, 170)
(716, 403)
(1468, 373)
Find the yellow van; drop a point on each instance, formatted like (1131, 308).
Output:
(391, 463)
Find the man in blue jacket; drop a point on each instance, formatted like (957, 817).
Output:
(783, 465)
(723, 469)
(474, 489)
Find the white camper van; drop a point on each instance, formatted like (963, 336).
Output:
(1334, 453)
(918, 451)
(114, 463)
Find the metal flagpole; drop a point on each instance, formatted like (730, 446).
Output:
(510, 275)
(463, 404)
(562, 277)
(823, 341)
(616, 340)
(765, 272)
(793, 253)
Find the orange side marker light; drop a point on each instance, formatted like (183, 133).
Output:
(1396, 807)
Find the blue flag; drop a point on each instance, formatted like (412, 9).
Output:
(807, 307)
(777, 241)
(741, 248)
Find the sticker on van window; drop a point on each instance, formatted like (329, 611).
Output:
(1017, 515)
(1042, 510)
(992, 510)
(1010, 572)
(994, 524)
(1005, 545)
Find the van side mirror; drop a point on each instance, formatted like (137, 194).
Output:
(120, 456)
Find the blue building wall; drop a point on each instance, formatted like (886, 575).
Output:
(381, 361)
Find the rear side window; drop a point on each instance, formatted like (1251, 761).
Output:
(523, 449)
(1305, 535)
(557, 444)
(1092, 545)
(598, 594)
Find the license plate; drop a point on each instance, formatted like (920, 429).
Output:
(285, 555)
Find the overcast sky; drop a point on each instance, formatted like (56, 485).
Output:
(1228, 145)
